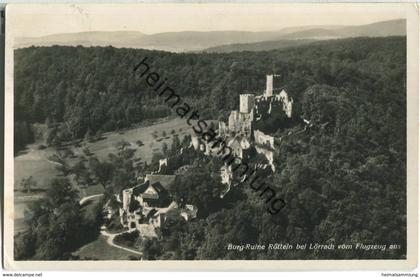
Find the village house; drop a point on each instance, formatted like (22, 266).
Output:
(147, 206)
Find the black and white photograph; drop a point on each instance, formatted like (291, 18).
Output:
(211, 132)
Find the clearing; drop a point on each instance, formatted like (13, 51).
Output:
(34, 162)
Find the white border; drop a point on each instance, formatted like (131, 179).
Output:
(412, 16)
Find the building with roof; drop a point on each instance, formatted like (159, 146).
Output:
(149, 205)
(165, 180)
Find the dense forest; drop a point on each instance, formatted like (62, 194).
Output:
(81, 91)
(343, 179)
(57, 224)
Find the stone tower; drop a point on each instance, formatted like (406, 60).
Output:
(246, 103)
(126, 198)
(269, 86)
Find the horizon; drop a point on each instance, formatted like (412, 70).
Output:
(151, 19)
(307, 27)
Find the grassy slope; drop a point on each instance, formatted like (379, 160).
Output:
(34, 162)
(100, 250)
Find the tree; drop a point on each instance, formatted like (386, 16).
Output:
(28, 183)
(186, 140)
(25, 246)
(89, 136)
(198, 187)
(98, 135)
(87, 152)
(165, 150)
(176, 145)
(57, 225)
(122, 144)
(152, 249)
(22, 135)
(103, 171)
(61, 191)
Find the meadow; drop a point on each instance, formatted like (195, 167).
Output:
(34, 161)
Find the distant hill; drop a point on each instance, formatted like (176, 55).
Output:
(216, 41)
(119, 39)
(171, 41)
(258, 46)
(296, 37)
(379, 29)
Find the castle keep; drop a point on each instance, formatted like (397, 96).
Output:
(252, 108)
(240, 132)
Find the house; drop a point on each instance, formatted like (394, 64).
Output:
(166, 181)
(149, 205)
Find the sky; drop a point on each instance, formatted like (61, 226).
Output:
(41, 20)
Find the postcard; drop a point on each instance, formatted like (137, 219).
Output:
(210, 136)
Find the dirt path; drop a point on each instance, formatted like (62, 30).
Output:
(86, 198)
(110, 241)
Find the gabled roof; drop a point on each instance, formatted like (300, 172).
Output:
(139, 189)
(173, 206)
(142, 189)
(159, 187)
(158, 181)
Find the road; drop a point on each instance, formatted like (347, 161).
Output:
(86, 198)
(110, 241)
(109, 237)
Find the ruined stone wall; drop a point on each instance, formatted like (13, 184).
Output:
(268, 154)
(195, 142)
(287, 102)
(263, 139)
(233, 121)
(226, 174)
(241, 123)
(223, 128)
(246, 103)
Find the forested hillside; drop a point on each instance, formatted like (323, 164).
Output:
(259, 46)
(343, 180)
(94, 89)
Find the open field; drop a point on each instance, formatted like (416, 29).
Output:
(101, 250)
(103, 147)
(34, 162)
